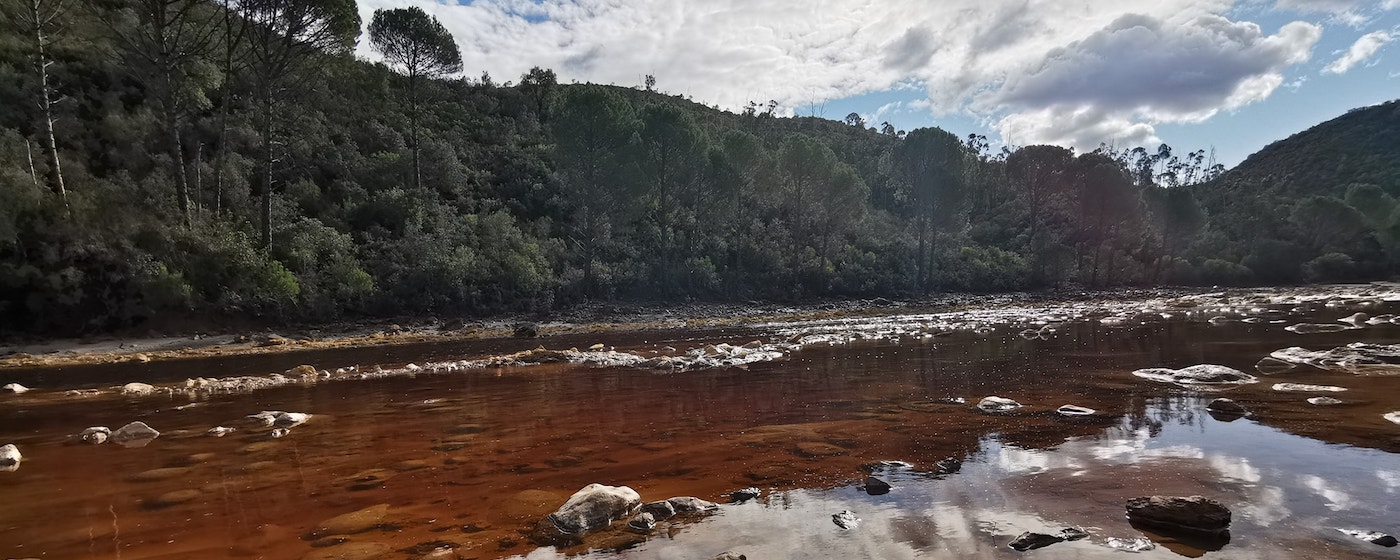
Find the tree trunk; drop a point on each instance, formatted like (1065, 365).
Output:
(177, 156)
(46, 103)
(29, 153)
(413, 128)
(267, 173)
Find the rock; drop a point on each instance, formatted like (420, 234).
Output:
(135, 434)
(1372, 537)
(1270, 365)
(303, 371)
(1312, 328)
(1392, 416)
(220, 431)
(1130, 545)
(596, 347)
(440, 553)
(138, 389)
(642, 522)
(9, 455)
(845, 520)
(1355, 318)
(660, 511)
(730, 555)
(95, 435)
(350, 551)
(279, 419)
(1032, 541)
(594, 507)
(1324, 401)
(278, 433)
(1194, 514)
(1072, 410)
(142, 358)
(1073, 534)
(875, 486)
(1227, 406)
(15, 388)
(1303, 388)
(1200, 374)
(354, 522)
(739, 496)
(690, 504)
(173, 498)
(526, 330)
(997, 404)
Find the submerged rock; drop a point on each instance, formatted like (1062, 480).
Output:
(138, 389)
(15, 388)
(997, 404)
(135, 434)
(1227, 406)
(1073, 410)
(1130, 545)
(1031, 541)
(1324, 401)
(1373, 537)
(279, 419)
(1357, 358)
(351, 523)
(95, 435)
(1200, 374)
(845, 520)
(1073, 533)
(594, 507)
(1313, 328)
(1193, 514)
(1304, 388)
(660, 511)
(220, 431)
(1270, 365)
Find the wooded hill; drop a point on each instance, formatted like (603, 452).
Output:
(233, 158)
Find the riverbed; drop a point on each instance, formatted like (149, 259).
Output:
(460, 449)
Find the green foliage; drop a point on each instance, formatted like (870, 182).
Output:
(1224, 273)
(415, 42)
(1331, 267)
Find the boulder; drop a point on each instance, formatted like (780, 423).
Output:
(875, 486)
(95, 435)
(1031, 541)
(15, 388)
(135, 434)
(526, 330)
(1373, 537)
(1228, 407)
(594, 507)
(138, 389)
(997, 404)
(1194, 514)
(845, 520)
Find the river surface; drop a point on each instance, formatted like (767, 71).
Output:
(468, 462)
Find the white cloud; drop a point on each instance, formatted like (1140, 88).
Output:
(1361, 50)
(1113, 69)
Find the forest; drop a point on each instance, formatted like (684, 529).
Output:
(235, 158)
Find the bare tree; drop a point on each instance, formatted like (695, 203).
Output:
(42, 20)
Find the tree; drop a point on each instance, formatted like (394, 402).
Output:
(887, 129)
(672, 159)
(418, 45)
(283, 37)
(1038, 172)
(929, 164)
(539, 84)
(40, 20)
(167, 47)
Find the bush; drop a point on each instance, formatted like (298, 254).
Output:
(1225, 273)
(1331, 267)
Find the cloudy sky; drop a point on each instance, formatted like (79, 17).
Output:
(1233, 75)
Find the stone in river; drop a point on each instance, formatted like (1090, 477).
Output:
(1072, 410)
(1130, 545)
(1393, 416)
(15, 388)
(1193, 514)
(1303, 388)
(691, 504)
(1270, 365)
(221, 431)
(135, 434)
(350, 551)
(138, 389)
(997, 404)
(660, 511)
(1227, 406)
(1031, 541)
(730, 555)
(10, 456)
(845, 520)
(354, 522)
(1073, 533)
(1312, 328)
(642, 522)
(173, 498)
(95, 435)
(1373, 537)
(876, 487)
(594, 507)
(750, 493)
(1200, 374)
(1324, 401)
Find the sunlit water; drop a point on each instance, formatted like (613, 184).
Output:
(472, 460)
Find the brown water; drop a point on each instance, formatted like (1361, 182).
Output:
(471, 460)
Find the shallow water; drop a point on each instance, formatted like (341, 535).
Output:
(472, 459)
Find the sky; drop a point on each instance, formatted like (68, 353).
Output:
(1224, 75)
